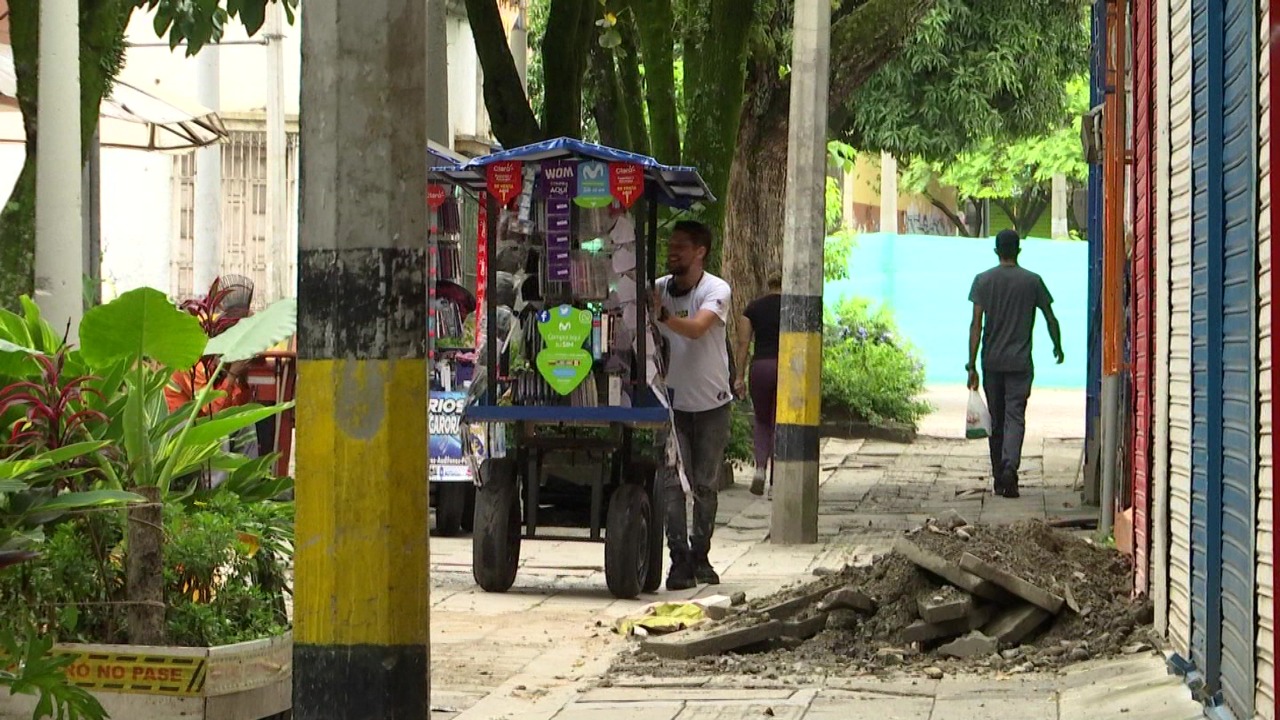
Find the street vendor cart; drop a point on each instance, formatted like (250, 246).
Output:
(570, 369)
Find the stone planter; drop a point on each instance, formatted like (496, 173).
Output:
(246, 681)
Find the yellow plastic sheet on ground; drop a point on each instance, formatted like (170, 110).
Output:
(663, 617)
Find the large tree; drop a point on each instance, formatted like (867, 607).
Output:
(967, 71)
(102, 45)
(1015, 176)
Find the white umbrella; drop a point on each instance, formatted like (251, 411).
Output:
(130, 118)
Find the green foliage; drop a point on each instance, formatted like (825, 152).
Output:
(141, 325)
(868, 369)
(37, 671)
(973, 70)
(1016, 175)
(225, 563)
(740, 450)
(200, 23)
(835, 255)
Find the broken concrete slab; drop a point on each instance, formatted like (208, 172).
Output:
(694, 643)
(950, 520)
(974, 644)
(1070, 598)
(847, 598)
(1012, 626)
(921, 631)
(804, 629)
(1028, 591)
(950, 572)
(944, 606)
(790, 608)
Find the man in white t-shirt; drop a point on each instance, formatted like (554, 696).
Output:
(690, 306)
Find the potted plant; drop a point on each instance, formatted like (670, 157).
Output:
(198, 570)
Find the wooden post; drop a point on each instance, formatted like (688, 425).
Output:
(361, 610)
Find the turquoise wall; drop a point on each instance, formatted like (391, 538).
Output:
(924, 281)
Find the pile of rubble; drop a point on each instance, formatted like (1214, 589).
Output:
(950, 597)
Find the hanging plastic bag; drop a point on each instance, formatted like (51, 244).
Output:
(977, 420)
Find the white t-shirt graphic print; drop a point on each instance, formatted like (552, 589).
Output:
(698, 374)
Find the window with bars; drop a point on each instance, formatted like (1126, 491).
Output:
(244, 244)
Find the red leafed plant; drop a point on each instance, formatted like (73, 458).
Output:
(54, 413)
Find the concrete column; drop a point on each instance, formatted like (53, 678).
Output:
(795, 503)
(888, 194)
(437, 70)
(206, 259)
(59, 261)
(279, 249)
(1060, 207)
(361, 599)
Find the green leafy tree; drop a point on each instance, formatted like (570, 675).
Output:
(967, 70)
(102, 47)
(1015, 176)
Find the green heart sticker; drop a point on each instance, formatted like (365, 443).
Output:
(562, 362)
(564, 370)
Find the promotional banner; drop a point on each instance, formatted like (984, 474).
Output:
(444, 422)
(593, 185)
(562, 362)
(626, 183)
(505, 180)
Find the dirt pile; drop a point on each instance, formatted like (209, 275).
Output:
(950, 598)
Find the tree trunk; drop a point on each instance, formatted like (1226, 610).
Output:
(102, 28)
(756, 208)
(144, 570)
(509, 113)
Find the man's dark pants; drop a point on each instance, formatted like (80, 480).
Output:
(1007, 394)
(703, 437)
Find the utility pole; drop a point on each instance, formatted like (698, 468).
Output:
(1113, 249)
(795, 503)
(279, 250)
(59, 260)
(206, 259)
(361, 599)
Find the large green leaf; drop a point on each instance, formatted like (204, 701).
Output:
(71, 452)
(12, 486)
(16, 360)
(141, 324)
(228, 422)
(68, 502)
(257, 333)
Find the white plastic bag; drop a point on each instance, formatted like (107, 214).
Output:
(977, 420)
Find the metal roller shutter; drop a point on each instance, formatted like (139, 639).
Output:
(1239, 298)
(1265, 694)
(1179, 631)
(1141, 321)
(1161, 337)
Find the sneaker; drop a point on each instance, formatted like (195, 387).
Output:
(704, 573)
(681, 576)
(757, 483)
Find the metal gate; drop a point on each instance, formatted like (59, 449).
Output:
(1224, 297)
(1265, 695)
(1239, 356)
(1141, 306)
(1180, 326)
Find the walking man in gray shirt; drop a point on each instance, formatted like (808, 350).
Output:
(1005, 299)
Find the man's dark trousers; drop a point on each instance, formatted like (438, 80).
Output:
(1007, 394)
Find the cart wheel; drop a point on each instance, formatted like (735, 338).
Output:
(626, 541)
(451, 505)
(495, 543)
(657, 516)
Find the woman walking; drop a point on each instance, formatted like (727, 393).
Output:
(760, 322)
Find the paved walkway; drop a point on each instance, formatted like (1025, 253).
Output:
(537, 652)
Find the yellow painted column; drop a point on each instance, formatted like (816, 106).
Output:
(361, 588)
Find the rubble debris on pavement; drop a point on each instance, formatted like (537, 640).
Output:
(951, 598)
(666, 617)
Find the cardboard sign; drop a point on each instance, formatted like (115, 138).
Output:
(626, 183)
(593, 185)
(505, 180)
(435, 195)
